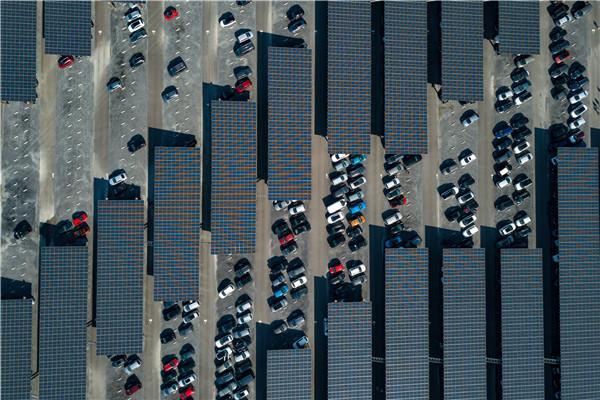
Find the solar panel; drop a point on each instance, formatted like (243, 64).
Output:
(120, 274)
(579, 274)
(233, 205)
(289, 374)
(349, 358)
(63, 322)
(67, 27)
(407, 323)
(464, 324)
(16, 348)
(519, 27)
(290, 123)
(405, 77)
(177, 223)
(349, 76)
(462, 50)
(522, 324)
(18, 44)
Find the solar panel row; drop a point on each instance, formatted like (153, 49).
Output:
(519, 27)
(462, 50)
(290, 128)
(177, 223)
(464, 324)
(120, 273)
(63, 322)
(233, 205)
(18, 49)
(16, 348)
(349, 351)
(579, 277)
(289, 374)
(407, 323)
(67, 27)
(405, 77)
(522, 324)
(349, 76)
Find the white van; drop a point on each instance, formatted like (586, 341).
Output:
(191, 306)
(338, 205)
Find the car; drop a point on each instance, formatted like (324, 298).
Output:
(339, 178)
(467, 220)
(559, 131)
(169, 376)
(502, 106)
(168, 337)
(340, 165)
(576, 70)
(280, 205)
(523, 97)
(391, 183)
(521, 196)
(136, 60)
(359, 280)
(358, 182)
(579, 9)
(354, 230)
(507, 229)
(170, 364)
(225, 391)
(242, 72)
(245, 318)
(468, 158)
(521, 134)
(575, 84)
(298, 293)
(504, 94)
(339, 190)
(186, 329)
(136, 36)
(357, 159)
(393, 158)
(524, 157)
(356, 269)
(132, 14)
(522, 233)
(562, 56)
(279, 305)
(333, 219)
(412, 159)
(226, 20)
(227, 290)
(503, 131)
(576, 137)
(243, 84)
(296, 319)
(280, 227)
(336, 240)
(285, 237)
(114, 84)
(355, 195)
(296, 209)
(505, 242)
(519, 121)
(398, 201)
(301, 342)
(576, 122)
(357, 243)
(136, 143)
(244, 36)
(502, 169)
(338, 157)
(304, 227)
(224, 353)
(501, 156)
(167, 390)
(297, 25)
(298, 219)
(136, 25)
(522, 183)
(557, 70)
(289, 248)
(471, 117)
(131, 365)
(241, 267)
(169, 94)
(295, 12)
(224, 378)
(557, 33)
(224, 341)
(241, 393)
(520, 147)
(558, 92)
(121, 177)
(450, 192)
(504, 182)
(356, 170)
(335, 268)
(465, 197)
(22, 229)
(277, 279)
(560, 21)
(393, 218)
(393, 169)
(81, 230)
(466, 181)
(245, 48)
(558, 46)
(357, 207)
(65, 61)
(578, 96)
(393, 242)
(118, 360)
(189, 317)
(504, 204)
(336, 279)
(522, 219)
(518, 75)
(279, 266)
(356, 219)
(449, 167)
(296, 283)
(469, 231)
(171, 13)
(560, 80)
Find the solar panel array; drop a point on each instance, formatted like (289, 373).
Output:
(407, 323)
(16, 348)
(522, 324)
(349, 352)
(233, 205)
(177, 223)
(67, 27)
(63, 322)
(405, 77)
(290, 127)
(464, 324)
(289, 374)
(462, 50)
(120, 274)
(349, 76)
(579, 272)
(519, 27)
(18, 46)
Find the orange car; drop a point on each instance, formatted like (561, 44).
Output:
(562, 56)
(82, 230)
(359, 219)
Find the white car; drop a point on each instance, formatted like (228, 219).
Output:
(338, 216)
(280, 205)
(297, 209)
(467, 220)
(191, 306)
(523, 184)
(228, 20)
(467, 159)
(465, 198)
(392, 219)
(190, 317)
(242, 37)
(578, 110)
(117, 179)
(186, 380)
(224, 353)
(340, 165)
(296, 283)
(338, 157)
(507, 229)
(241, 393)
(505, 94)
(136, 25)
(392, 183)
(339, 179)
(522, 221)
(470, 119)
(521, 147)
(578, 96)
(241, 356)
(133, 15)
(245, 318)
(300, 343)
(507, 180)
(576, 123)
(227, 291)
(246, 305)
(224, 341)
(470, 231)
(525, 157)
(563, 20)
(357, 269)
(355, 184)
(132, 365)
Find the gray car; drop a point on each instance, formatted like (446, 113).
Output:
(169, 389)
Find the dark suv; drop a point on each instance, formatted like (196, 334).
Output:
(357, 243)
(241, 267)
(136, 60)
(22, 229)
(178, 68)
(296, 25)
(244, 49)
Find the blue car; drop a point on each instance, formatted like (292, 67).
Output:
(358, 207)
(281, 291)
(357, 159)
(500, 133)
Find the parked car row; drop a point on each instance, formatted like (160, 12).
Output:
(129, 365)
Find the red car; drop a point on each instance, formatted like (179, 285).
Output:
(82, 230)
(133, 388)
(65, 61)
(171, 13)
(80, 219)
(334, 269)
(243, 84)
(187, 392)
(562, 56)
(286, 237)
(171, 364)
(398, 201)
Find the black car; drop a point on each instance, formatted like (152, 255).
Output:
(557, 33)
(505, 242)
(245, 48)
(519, 121)
(296, 25)
(337, 278)
(279, 327)
(242, 367)
(558, 10)
(521, 134)
(305, 227)
(242, 3)
(188, 352)
(558, 132)
(241, 267)
(336, 240)
(169, 376)
(186, 329)
(241, 344)
(22, 229)
(171, 312)
(168, 337)
(411, 159)
(242, 280)
(226, 325)
(576, 70)
(504, 203)
(186, 366)
(242, 72)
(558, 69)
(413, 240)
(289, 248)
(504, 105)
(575, 84)
(470, 207)
(558, 46)
(357, 243)
(136, 143)
(117, 361)
(393, 158)
(298, 293)
(520, 196)
(519, 74)
(353, 232)
(467, 242)
(501, 144)
(453, 213)
(295, 12)
(396, 228)
(558, 92)
(280, 227)
(466, 181)
(135, 36)
(279, 266)
(356, 170)
(335, 228)
(298, 219)
(522, 232)
(559, 80)
(136, 60)
(501, 156)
